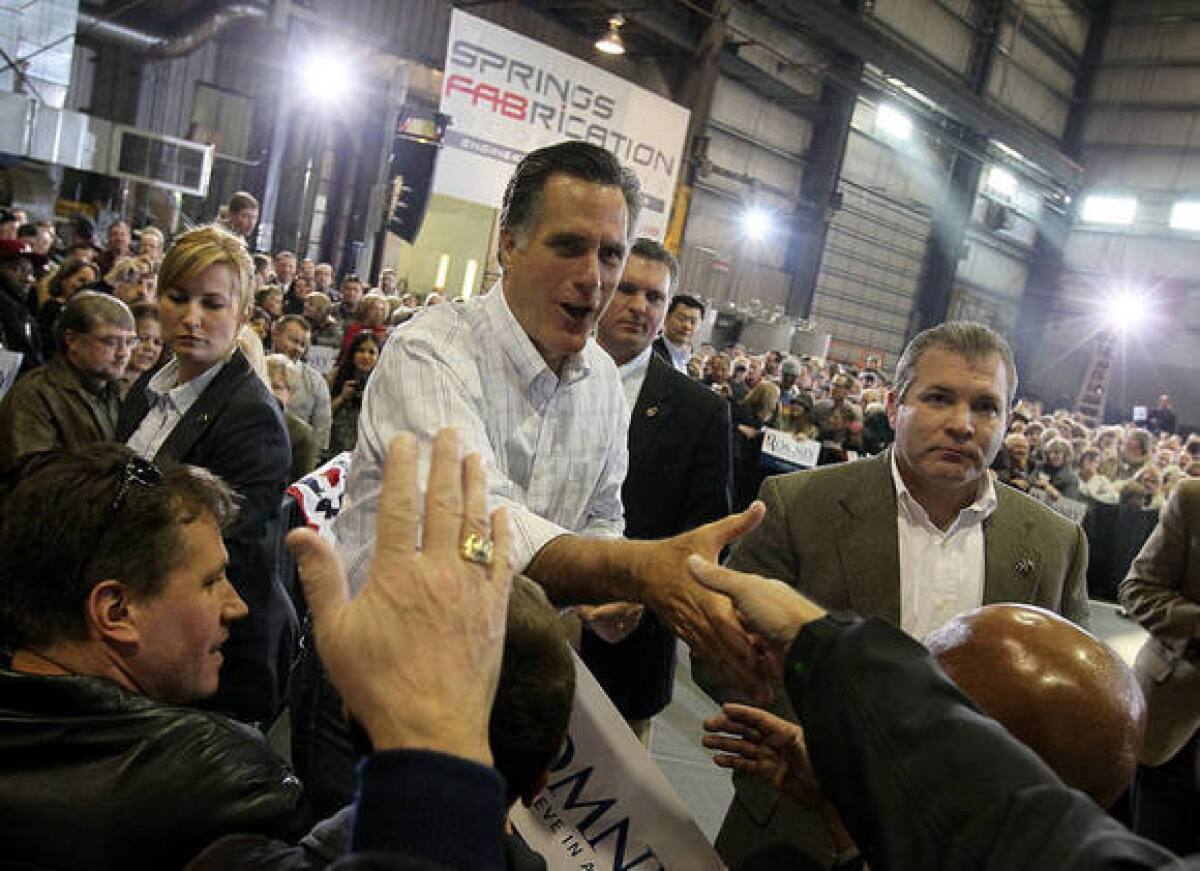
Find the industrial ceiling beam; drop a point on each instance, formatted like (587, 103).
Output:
(855, 35)
(763, 83)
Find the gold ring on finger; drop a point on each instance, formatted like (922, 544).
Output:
(476, 549)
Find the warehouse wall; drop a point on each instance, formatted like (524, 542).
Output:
(877, 239)
(756, 158)
(1140, 139)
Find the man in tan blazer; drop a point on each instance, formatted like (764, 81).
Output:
(914, 536)
(1162, 592)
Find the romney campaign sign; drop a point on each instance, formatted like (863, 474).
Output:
(508, 95)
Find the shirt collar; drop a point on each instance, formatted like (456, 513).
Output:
(636, 366)
(975, 513)
(526, 358)
(165, 386)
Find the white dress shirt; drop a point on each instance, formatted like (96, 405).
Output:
(554, 447)
(680, 354)
(169, 402)
(633, 376)
(310, 402)
(941, 573)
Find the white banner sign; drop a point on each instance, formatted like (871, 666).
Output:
(607, 807)
(508, 95)
(785, 446)
(322, 358)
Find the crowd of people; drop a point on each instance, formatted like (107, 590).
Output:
(561, 425)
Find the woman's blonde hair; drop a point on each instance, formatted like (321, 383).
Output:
(762, 400)
(197, 250)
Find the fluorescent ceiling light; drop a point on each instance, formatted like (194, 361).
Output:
(1109, 210)
(1185, 215)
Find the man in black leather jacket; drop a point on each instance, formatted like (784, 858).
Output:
(113, 608)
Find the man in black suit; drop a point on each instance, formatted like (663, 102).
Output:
(684, 315)
(679, 476)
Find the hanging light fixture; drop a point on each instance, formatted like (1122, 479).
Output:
(610, 42)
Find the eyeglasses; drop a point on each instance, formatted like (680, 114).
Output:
(136, 471)
(114, 343)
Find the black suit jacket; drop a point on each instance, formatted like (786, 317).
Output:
(236, 430)
(678, 479)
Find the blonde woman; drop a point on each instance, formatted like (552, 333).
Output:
(208, 407)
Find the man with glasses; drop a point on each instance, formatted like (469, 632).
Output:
(72, 400)
(114, 608)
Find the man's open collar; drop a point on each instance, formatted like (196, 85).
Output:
(528, 361)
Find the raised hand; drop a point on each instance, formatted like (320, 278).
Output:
(416, 654)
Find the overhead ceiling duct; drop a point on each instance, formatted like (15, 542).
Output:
(161, 47)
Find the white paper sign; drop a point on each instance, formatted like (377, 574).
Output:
(10, 367)
(784, 446)
(607, 806)
(322, 358)
(1072, 509)
(507, 95)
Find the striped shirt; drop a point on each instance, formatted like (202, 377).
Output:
(554, 447)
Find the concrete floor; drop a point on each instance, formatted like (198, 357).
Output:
(707, 790)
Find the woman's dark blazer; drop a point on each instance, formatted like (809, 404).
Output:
(236, 430)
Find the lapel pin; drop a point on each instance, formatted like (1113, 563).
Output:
(651, 411)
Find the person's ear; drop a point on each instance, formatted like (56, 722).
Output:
(892, 402)
(111, 614)
(508, 247)
(529, 795)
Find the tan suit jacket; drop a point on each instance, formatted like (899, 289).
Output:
(831, 533)
(1162, 592)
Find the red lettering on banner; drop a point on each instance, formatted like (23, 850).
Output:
(507, 103)
(459, 82)
(513, 106)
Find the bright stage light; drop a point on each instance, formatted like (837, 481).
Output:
(756, 223)
(1125, 311)
(325, 78)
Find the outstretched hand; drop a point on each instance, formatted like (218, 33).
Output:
(704, 619)
(416, 654)
(770, 609)
(757, 742)
(761, 744)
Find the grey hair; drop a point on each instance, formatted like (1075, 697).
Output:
(284, 364)
(965, 338)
